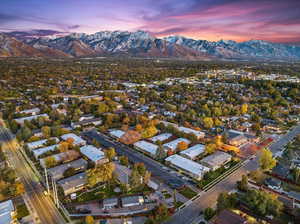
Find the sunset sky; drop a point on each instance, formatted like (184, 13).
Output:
(271, 20)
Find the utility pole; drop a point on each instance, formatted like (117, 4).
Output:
(47, 181)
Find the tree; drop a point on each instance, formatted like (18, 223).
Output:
(182, 146)
(208, 122)
(210, 148)
(89, 220)
(101, 173)
(46, 131)
(50, 161)
(209, 213)
(63, 146)
(161, 213)
(160, 152)
(110, 153)
(244, 108)
(243, 184)
(124, 160)
(266, 160)
(226, 201)
(149, 132)
(102, 108)
(139, 128)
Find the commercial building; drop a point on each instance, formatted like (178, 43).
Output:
(147, 147)
(173, 144)
(216, 160)
(93, 154)
(77, 140)
(40, 143)
(87, 122)
(7, 212)
(41, 151)
(189, 167)
(161, 137)
(58, 172)
(193, 152)
(198, 134)
(74, 183)
(132, 201)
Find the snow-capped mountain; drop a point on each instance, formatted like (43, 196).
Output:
(143, 44)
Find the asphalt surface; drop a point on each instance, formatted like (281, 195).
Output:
(157, 170)
(191, 212)
(43, 206)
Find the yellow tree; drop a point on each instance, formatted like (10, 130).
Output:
(266, 160)
(244, 108)
(210, 148)
(63, 146)
(89, 220)
(208, 122)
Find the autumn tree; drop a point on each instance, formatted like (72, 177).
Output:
(46, 131)
(266, 160)
(89, 220)
(50, 161)
(110, 153)
(182, 146)
(208, 122)
(101, 173)
(244, 108)
(210, 148)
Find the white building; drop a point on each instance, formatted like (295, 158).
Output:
(216, 160)
(77, 140)
(132, 201)
(193, 152)
(33, 111)
(146, 147)
(199, 134)
(38, 144)
(93, 154)
(7, 212)
(189, 167)
(116, 133)
(161, 137)
(173, 144)
(41, 151)
(30, 118)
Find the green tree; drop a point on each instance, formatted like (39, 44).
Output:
(209, 213)
(266, 160)
(226, 201)
(243, 184)
(124, 160)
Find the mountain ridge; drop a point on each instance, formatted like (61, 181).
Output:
(144, 44)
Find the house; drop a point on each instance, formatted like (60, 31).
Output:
(21, 120)
(57, 172)
(228, 217)
(189, 167)
(216, 160)
(161, 137)
(237, 138)
(77, 140)
(132, 201)
(7, 212)
(41, 151)
(273, 184)
(87, 122)
(198, 134)
(146, 147)
(116, 134)
(193, 152)
(92, 97)
(40, 143)
(73, 184)
(67, 156)
(94, 154)
(109, 203)
(173, 144)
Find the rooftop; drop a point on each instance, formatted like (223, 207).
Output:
(146, 146)
(161, 137)
(6, 208)
(173, 144)
(77, 139)
(194, 151)
(94, 154)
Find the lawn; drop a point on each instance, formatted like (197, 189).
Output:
(178, 204)
(188, 192)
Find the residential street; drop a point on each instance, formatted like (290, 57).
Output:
(209, 198)
(43, 206)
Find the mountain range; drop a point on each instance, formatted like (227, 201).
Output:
(47, 43)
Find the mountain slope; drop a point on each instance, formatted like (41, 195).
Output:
(10, 47)
(141, 44)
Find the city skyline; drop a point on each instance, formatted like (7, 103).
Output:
(276, 21)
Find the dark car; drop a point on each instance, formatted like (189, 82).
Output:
(178, 185)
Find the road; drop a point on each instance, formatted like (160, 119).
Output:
(157, 170)
(208, 199)
(43, 206)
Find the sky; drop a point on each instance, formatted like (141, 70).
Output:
(239, 20)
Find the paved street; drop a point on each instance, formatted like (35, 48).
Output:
(208, 199)
(44, 208)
